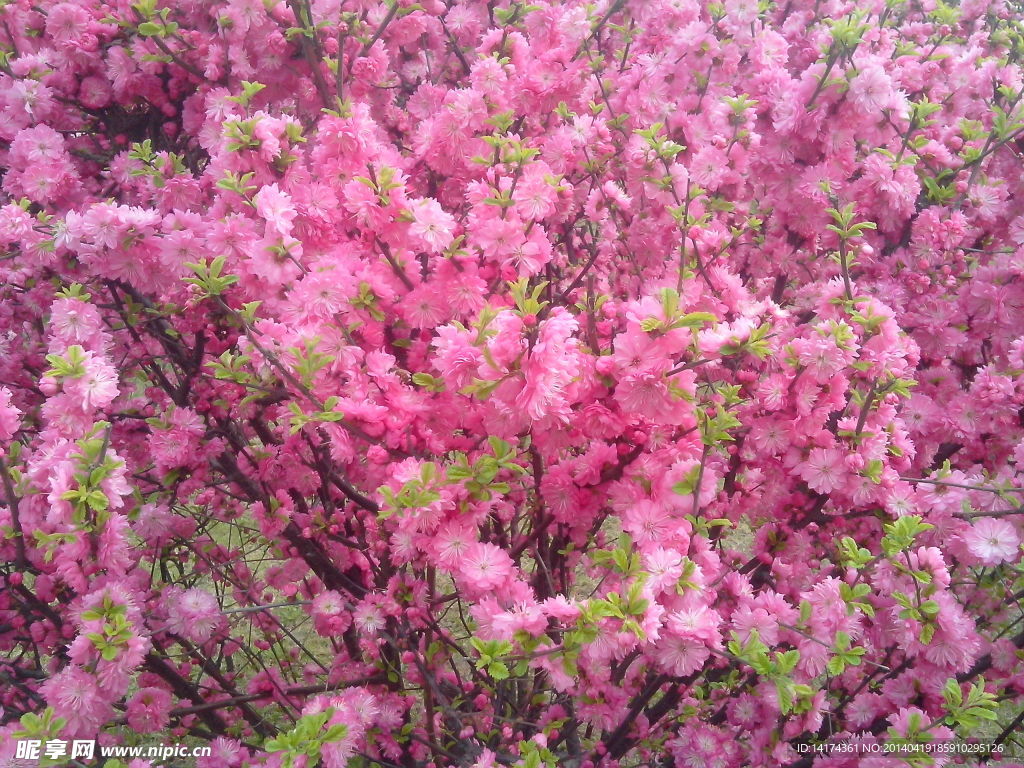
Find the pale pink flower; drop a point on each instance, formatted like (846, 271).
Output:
(457, 359)
(149, 710)
(823, 470)
(679, 655)
(224, 753)
(275, 207)
(329, 616)
(552, 365)
(747, 619)
(39, 144)
(872, 90)
(193, 613)
(66, 22)
(534, 196)
(10, 417)
(97, 388)
(485, 566)
(648, 522)
(645, 394)
(664, 567)
(696, 622)
(368, 617)
(432, 225)
(993, 541)
(451, 542)
(75, 696)
(74, 321)
(522, 617)
(425, 307)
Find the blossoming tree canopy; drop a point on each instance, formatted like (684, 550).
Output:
(419, 384)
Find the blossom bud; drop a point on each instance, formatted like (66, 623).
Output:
(48, 385)
(45, 588)
(37, 631)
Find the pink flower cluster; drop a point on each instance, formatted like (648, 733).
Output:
(511, 384)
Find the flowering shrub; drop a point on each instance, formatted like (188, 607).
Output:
(505, 384)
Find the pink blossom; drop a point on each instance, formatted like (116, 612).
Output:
(9, 415)
(993, 541)
(329, 614)
(485, 566)
(432, 225)
(149, 709)
(648, 522)
(823, 470)
(75, 696)
(97, 387)
(275, 207)
(665, 566)
(192, 613)
(536, 366)
(680, 656)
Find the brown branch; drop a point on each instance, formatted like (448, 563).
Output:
(12, 504)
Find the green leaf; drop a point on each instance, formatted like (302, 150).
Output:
(952, 694)
(835, 666)
(427, 381)
(694, 320)
(498, 670)
(900, 534)
(151, 29)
